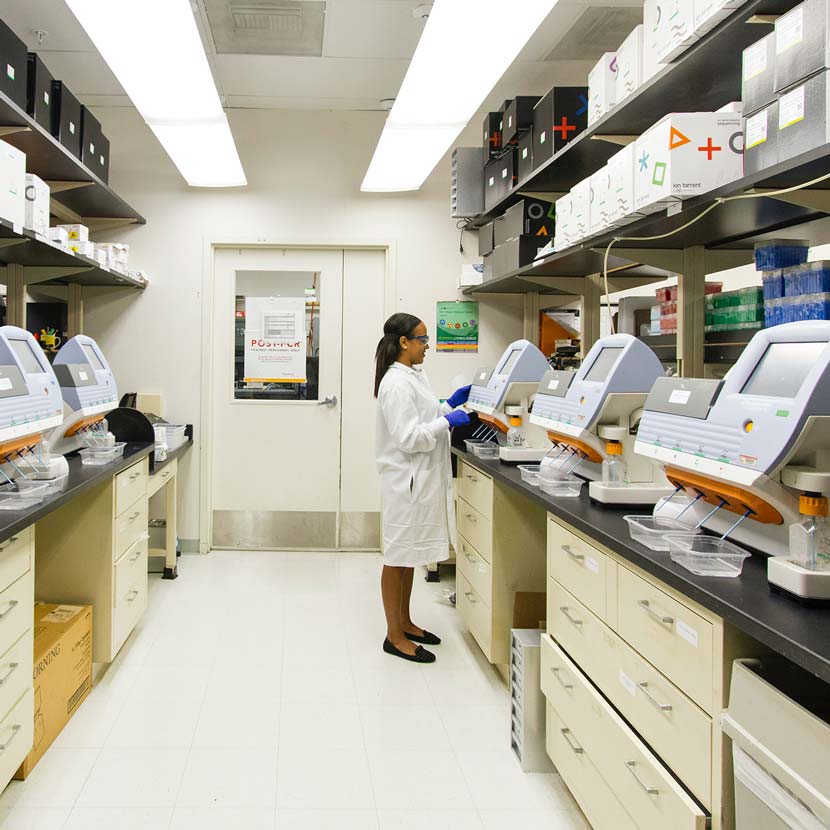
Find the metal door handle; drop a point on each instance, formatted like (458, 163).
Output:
(631, 767)
(474, 479)
(329, 400)
(132, 595)
(12, 605)
(577, 749)
(134, 476)
(8, 542)
(577, 557)
(663, 707)
(572, 620)
(15, 729)
(644, 604)
(9, 673)
(470, 517)
(469, 558)
(556, 673)
(134, 517)
(470, 596)
(136, 557)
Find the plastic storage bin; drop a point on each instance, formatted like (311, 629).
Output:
(564, 487)
(27, 494)
(94, 456)
(529, 473)
(486, 450)
(175, 436)
(707, 555)
(780, 253)
(773, 284)
(815, 277)
(654, 531)
(738, 298)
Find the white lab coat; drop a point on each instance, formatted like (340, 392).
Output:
(413, 459)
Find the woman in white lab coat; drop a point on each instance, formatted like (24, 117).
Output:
(413, 458)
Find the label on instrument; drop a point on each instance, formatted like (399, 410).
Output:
(680, 396)
(789, 30)
(791, 108)
(554, 384)
(5, 384)
(82, 375)
(628, 684)
(756, 129)
(755, 60)
(686, 632)
(592, 565)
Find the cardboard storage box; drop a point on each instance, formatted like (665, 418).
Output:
(491, 139)
(508, 172)
(491, 184)
(12, 184)
(564, 233)
(581, 210)
(602, 86)
(629, 65)
(684, 155)
(708, 13)
(66, 118)
(802, 117)
(485, 239)
(14, 64)
(761, 139)
(529, 217)
(526, 166)
(802, 47)
(758, 74)
(621, 175)
(518, 117)
(515, 254)
(559, 117)
(668, 28)
(39, 92)
(95, 147)
(37, 205)
(62, 676)
(599, 217)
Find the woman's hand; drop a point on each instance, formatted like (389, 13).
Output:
(458, 418)
(459, 397)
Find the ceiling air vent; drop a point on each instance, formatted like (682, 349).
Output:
(274, 19)
(599, 29)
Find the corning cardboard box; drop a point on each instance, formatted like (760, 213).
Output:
(62, 676)
(602, 86)
(629, 64)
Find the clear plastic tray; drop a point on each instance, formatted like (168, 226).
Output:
(707, 555)
(27, 494)
(486, 449)
(530, 473)
(563, 487)
(654, 531)
(469, 443)
(172, 435)
(102, 455)
(550, 472)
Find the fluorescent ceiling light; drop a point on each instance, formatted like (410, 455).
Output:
(466, 46)
(154, 50)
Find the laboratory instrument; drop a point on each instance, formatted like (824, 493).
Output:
(745, 448)
(506, 392)
(591, 416)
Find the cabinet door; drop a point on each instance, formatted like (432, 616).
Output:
(475, 613)
(476, 569)
(476, 488)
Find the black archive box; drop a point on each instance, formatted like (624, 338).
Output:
(66, 118)
(492, 134)
(14, 63)
(508, 172)
(39, 92)
(802, 117)
(530, 217)
(491, 184)
(526, 166)
(758, 74)
(485, 239)
(802, 43)
(95, 147)
(518, 117)
(559, 117)
(761, 139)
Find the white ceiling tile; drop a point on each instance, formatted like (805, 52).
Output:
(371, 29)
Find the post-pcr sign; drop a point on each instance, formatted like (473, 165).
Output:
(275, 340)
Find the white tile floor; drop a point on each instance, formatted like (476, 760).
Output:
(255, 695)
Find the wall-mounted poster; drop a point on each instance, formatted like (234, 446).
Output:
(275, 340)
(457, 326)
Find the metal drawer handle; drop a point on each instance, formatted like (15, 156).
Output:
(134, 517)
(8, 542)
(136, 557)
(471, 518)
(470, 596)
(644, 604)
(13, 603)
(663, 707)
(572, 620)
(577, 557)
(134, 476)
(15, 729)
(557, 674)
(132, 595)
(9, 673)
(631, 767)
(474, 479)
(469, 558)
(577, 749)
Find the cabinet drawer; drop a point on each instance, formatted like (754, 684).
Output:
(17, 731)
(475, 613)
(16, 557)
(16, 672)
(476, 570)
(476, 529)
(579, 566)
(16, 611)
(594, 796)
(672, 637)
(573, 625)
(131, 485)
(130, 526)
(129, 608)
(647, 790)
(159, 479)
(129, 569)
(476, 488)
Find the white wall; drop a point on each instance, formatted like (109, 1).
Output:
(304, 170)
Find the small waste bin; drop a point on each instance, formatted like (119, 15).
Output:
(779, 723)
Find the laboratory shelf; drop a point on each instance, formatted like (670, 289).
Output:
(48, 264)
(47, 158)
(704, 78)
(718, 346)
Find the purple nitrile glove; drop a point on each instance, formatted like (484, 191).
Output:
(459, 397)
(458, 418)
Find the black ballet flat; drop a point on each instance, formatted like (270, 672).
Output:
(427, 638)
(421, 654)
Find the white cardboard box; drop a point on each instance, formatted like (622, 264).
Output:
(600, 213)
(12, 184)
(621, 174)
(563, 233)
(708, 13)
(77, 233)
(58, 235)
(668, 27)
(684, 155)
(37, 205)
(629, 64)
(86, 249)
(472, 273)
(602, 86)
(581, 210)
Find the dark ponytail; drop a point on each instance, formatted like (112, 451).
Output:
(389, 347)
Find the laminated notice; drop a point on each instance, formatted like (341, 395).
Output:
(687, 632)
(789, 30)
(756, 129)
(755, 60)
(791, 108)
(628, 684)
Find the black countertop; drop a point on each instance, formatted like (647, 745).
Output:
(156, 465)
(799, 633)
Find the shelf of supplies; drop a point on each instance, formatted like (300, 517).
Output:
(719, 346)
(704, 78)
(48, 264)
(93, 201)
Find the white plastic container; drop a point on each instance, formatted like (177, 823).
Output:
(530, 473)
(486, 450)
(707, 555)
(175, 435)
(563, 487)
(654, 531)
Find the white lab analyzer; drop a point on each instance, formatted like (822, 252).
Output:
(591, 416)
(89, 393)
(502, 398)
(746, 448)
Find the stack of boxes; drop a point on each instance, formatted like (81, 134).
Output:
(12, 185)
(793, 288)
(513, 240)
(739, 309)
(664, 313)
(37, 205)
(602, 87)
